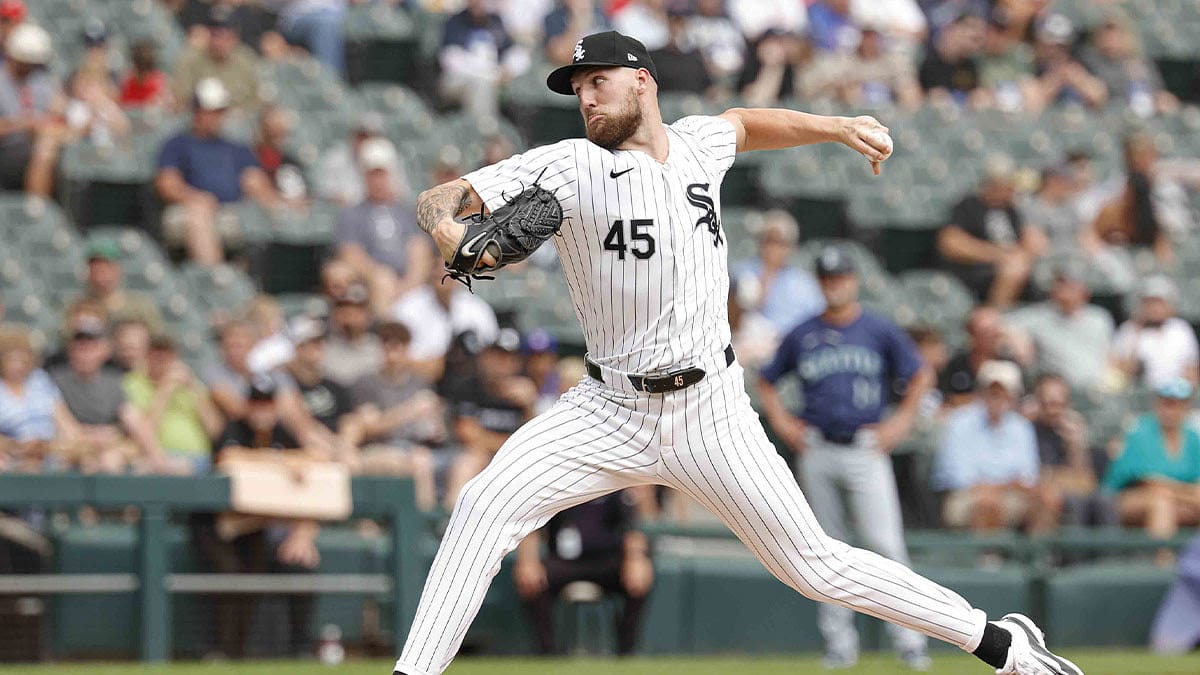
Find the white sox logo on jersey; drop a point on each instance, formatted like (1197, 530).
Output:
(697, 195)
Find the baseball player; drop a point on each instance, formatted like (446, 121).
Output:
(846, 360)
(664, 401)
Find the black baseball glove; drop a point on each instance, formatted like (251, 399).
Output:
(510, 234)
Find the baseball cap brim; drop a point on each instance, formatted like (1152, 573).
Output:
(559, 80)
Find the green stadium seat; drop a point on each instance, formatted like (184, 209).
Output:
(383, 44)
(939, 299)
(218, 290)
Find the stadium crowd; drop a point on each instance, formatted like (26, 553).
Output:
(390, 371)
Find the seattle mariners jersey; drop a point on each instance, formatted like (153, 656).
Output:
(845, 371)
(642, 247)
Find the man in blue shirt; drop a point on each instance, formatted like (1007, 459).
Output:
(988, 460)
(847, 360)
(198, 171)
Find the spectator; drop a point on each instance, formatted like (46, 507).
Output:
(1155, 346)
(831, 26)
(12, 14)
(31, 103)
(105, 285)
(229, 381)
(1072, 338)
(92, 112)
(681, 67)
(379, 237)
(949, 70)
(223, 57)
(540, 349)
(36, 427)
(198, 171)
(987, 244)
(594, 542)
(401, 418)
(1054, 210)
(1061, 77)
(496, 403)
(478, 58)
(1152, 208)
(131, 345)
(717, 36)
(1005, 67)
(643, 20)
(569, 21)
(317, 25)
(756, 17)
(931, 345)
(276, 159)
(987, 463)
(779, 66)
(847, 360)
(774, 294)
(328, 402)
(1067, 473)
(146, 86)
(339, 175)
(868, 75)
(988, 339)
(1156, 478)
(901, 22)
(436, 313)
(116, 433)
(274, 348)
(1115, 58)
(943, 13)
(352, 351)
(231, 544)
(176, 405)
(94, 63)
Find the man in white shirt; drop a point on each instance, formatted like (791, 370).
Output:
(1156, 345)
(435, 313)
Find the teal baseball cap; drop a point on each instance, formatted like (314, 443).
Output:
(1176, 389)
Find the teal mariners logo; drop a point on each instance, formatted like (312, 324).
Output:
(840, 360)
(697, 195)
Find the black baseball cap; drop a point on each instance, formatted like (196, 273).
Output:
(609, 48)
(834, 259)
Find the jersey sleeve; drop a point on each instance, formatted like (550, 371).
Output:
(551, 166)
(713, 137)
(903, 357)
(782, 363)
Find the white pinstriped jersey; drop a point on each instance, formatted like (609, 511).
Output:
(642, 248)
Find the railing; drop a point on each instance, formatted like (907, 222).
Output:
(156, 497)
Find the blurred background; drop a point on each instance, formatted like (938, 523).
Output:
(209, 242)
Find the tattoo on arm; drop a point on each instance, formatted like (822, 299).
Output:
(435, 204)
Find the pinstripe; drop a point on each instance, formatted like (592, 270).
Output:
(788, 494)
(590, 443)
(518, 470)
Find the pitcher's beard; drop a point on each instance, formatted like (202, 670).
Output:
(616, 128)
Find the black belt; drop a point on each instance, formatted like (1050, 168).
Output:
(839, 439)
(658, 384)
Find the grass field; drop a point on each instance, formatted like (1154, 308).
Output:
(1100, 662)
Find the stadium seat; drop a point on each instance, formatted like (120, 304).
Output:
(383, 44)
(940, 299)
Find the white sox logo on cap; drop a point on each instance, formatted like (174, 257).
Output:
(578, 56)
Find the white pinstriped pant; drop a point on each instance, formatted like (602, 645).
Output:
(706, 441)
